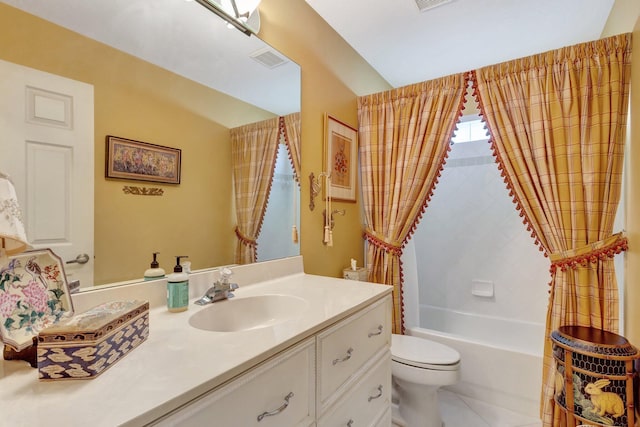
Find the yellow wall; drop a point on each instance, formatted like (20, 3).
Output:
(332, 74)
(193, 218)
(625, 17)
(622, 18)
(632, 285)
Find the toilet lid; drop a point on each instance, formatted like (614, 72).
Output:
(423, 353)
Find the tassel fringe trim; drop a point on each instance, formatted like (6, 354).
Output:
(618, 245)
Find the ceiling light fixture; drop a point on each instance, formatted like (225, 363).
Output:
(235, 12)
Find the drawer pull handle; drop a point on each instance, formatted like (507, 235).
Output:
(350, 423)
(377, 396)
(373, 334)
(277, 411)
(344, 359)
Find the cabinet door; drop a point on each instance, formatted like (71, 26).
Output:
(344, 348)
(278, 393)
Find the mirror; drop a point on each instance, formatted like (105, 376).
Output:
(169, 73)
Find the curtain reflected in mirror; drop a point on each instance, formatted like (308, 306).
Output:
(260, 176)
(278, 238)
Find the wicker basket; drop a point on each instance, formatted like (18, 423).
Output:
(594, 376)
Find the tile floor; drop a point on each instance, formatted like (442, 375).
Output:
(462, 411)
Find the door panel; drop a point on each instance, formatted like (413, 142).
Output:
(47, 148)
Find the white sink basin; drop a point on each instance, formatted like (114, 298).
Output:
(242, 314)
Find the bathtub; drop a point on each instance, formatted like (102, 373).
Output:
(501, 358)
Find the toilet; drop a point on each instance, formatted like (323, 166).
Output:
(419, 368)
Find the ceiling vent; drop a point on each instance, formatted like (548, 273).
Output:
(430, 4)
(268, 58)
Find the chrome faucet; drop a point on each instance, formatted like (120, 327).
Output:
(220, 290)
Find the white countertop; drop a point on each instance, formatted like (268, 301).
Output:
(177, 362)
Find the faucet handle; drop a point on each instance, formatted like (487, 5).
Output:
(220, 286)
(232, 287)
(225, 275)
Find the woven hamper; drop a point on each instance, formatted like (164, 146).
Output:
(595, 375)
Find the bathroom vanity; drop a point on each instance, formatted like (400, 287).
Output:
(290, 349)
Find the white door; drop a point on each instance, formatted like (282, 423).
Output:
(46, 147)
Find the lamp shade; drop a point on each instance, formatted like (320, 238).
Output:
(13, 238)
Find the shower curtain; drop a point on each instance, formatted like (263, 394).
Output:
(404, 139)
(557, 122)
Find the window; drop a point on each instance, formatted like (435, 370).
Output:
(470, 130)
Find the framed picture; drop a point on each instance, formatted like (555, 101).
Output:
(341, 158)
(141, 161)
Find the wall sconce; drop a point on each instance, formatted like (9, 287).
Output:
(328, 221)
(236, 13)
(331, 221)
(314, 188)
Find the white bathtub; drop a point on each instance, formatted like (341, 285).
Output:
(501, 358)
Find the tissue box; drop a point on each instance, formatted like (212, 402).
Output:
(85, 345)
(357, 274)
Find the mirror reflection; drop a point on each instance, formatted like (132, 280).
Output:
(168, 73)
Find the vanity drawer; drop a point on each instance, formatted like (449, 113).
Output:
(260, 391)
(344, 348)
(368, 401)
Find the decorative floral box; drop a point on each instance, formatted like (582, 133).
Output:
(87, 344)
(33, 295)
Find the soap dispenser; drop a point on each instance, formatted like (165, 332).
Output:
(178, 288)
(154, 271)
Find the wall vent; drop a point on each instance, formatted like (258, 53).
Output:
(268, 58)
(430, 4)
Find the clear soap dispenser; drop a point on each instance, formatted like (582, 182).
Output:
(178, 288)
(154, 271)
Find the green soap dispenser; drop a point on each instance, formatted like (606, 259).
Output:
(154, 271)
(178, 288)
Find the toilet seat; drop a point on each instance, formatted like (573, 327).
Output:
(423, 353)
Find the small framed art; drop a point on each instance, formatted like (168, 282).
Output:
(141, 161)
(341, 158)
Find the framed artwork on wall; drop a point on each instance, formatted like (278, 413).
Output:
(341, 154)
(141, 161)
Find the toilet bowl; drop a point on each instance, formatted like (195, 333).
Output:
(419, 368)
